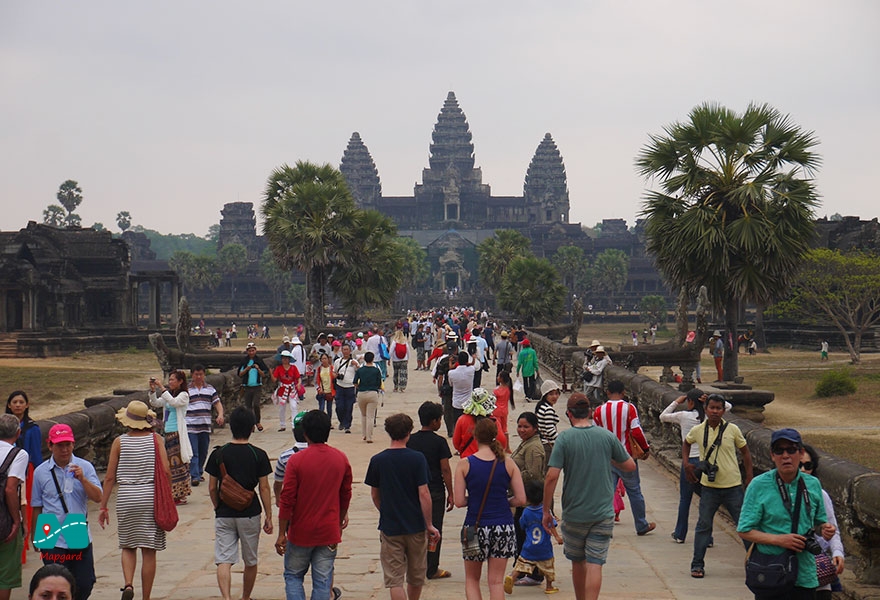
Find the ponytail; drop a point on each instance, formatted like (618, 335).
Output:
(498, 449)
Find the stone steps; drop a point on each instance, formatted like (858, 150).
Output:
(9, 347)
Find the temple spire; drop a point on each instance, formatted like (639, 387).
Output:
(360, 173)
(452, 146)
(545, 189)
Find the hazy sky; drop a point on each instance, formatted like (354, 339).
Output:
(171, 109)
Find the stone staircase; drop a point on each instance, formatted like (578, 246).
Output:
(8, 345)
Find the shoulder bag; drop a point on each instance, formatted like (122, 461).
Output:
(470, 543)
(164, 510)
(635, 450)
(776, 574)
(232, 493)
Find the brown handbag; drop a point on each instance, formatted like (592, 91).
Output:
(164, 510)
(232, 493)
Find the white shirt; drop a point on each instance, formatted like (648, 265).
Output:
(462, 380)
(18, 468)
(372, 345)
(687, 420)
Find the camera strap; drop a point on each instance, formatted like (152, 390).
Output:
(58, 489)
(716, 443)
(786, 499)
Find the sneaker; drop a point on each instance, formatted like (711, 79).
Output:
(337, 593)
(348, 431)
(677, 540)
(524, 581)
(341, 427)
(194, 483)
(651, 527)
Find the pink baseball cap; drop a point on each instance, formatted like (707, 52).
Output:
(60, 433)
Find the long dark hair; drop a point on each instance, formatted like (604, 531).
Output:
(504, 376)
(26, 417)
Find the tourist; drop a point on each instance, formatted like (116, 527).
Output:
(531, 460)
(461, 378)
(399, 352)
(480, 362)
(481, 484)
(547, 417)
(285, 345)
(203, 399)
(325, 384)
(80, 484)
(300, 443)
(503, 402)
(447, 363)
(313, 510)
(823, 351)
(298, 356)
(175, 401)
(535, 556)
(12, 546)
(368, 381)
(398, 478)
(249, 466)
(52, 582)
(374, 344)
(586, 454)
(527, 364)
(620, 417)
(286, 378)
(504, 353)
(693, 415)
(489, 336)
(346, 369)
(593, 386)
(31, 441)
(132, 465)
(718, 353)
(436, 451)
(252, 371)
(481, 405)
(720, 480)
(832, 547)
(418, 344)
(767, 514)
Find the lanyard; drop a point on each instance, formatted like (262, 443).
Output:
(58, 489)
(717, 441)
(786, 500)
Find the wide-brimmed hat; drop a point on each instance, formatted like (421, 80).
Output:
(599, 349)
(285, 339)
(504, 334)
(595, 343)
(480, 404)
(296, 340)
(549, 386)
(716, 333)
(136, 415)
(286, 354)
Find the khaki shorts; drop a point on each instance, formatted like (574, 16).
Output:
(546, 567)
(404, 557)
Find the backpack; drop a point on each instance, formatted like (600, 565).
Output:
(383, 351)
(400, 351)
(6, 520)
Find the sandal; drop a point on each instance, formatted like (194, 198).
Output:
(127, 592)
(697, 573)
(441, 574)
(259, 427)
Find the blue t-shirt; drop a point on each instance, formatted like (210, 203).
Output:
(253, 376)
(398, 473)
(538, 545)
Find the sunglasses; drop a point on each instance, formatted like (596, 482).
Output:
(792, 450)
(807, 466)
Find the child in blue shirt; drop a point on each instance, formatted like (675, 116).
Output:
(537, 550)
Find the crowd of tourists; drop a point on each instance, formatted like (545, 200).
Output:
(507, 489)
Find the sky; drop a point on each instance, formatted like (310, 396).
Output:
(171, 109)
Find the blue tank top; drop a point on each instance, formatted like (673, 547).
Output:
(497, 510)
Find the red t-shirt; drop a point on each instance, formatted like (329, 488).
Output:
(315, 494)
(287, 377)
(464, 431)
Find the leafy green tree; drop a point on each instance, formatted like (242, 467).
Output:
(842, 288)
(735, 207)
(571, 263)
(232, 261)
(653, 310)
(213, 233)
(610, 272)
(198, 273)
(69, 195)
(53, 215)
(98, 226)
(360, 284)
(414, 263)
(309, 218)
(123, 220)
(531, 290)
(275, 277)
(497, 252)
(296, 296)
(165, 245)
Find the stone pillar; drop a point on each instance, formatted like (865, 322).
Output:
(175, 300)
(4, 326)
(30, 311)
(135, 303)
(155, 306)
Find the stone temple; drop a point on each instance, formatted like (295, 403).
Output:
(451, 211)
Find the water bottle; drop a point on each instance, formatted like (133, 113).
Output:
(69, 476)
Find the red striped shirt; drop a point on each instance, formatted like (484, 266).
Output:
(620, 418)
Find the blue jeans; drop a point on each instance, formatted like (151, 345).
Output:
(711, 499)
(686, 491)
(199, 443)
(297, 560)
(345, 399)
(325, 404)
(633, 487)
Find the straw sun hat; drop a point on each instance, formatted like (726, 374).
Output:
(136, 415)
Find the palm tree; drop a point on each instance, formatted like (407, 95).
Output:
(610, 272)
(735, 206)
(232, 259)
(496, 254)
(308, 216)
(531, 290)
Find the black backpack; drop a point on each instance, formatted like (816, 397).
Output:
(5, 516)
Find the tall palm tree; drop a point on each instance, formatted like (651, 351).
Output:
(610, 272)
(496, 254)
(308, 216)
(531, 290)
(735, 207)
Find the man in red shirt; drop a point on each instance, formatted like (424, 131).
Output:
(621, 418)
(313, 509)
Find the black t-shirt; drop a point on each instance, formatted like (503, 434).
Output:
(435, 449)
(246, 464)
(419, 339)
(398, 473)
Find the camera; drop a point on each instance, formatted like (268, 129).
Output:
(709, 469)
(810, 543)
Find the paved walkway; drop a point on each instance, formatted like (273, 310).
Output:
(638, 567)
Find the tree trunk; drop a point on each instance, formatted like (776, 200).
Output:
(856, 349)
(681, 317)
(730, 364)
(315, 301)
(760, 338)
(232, 295)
